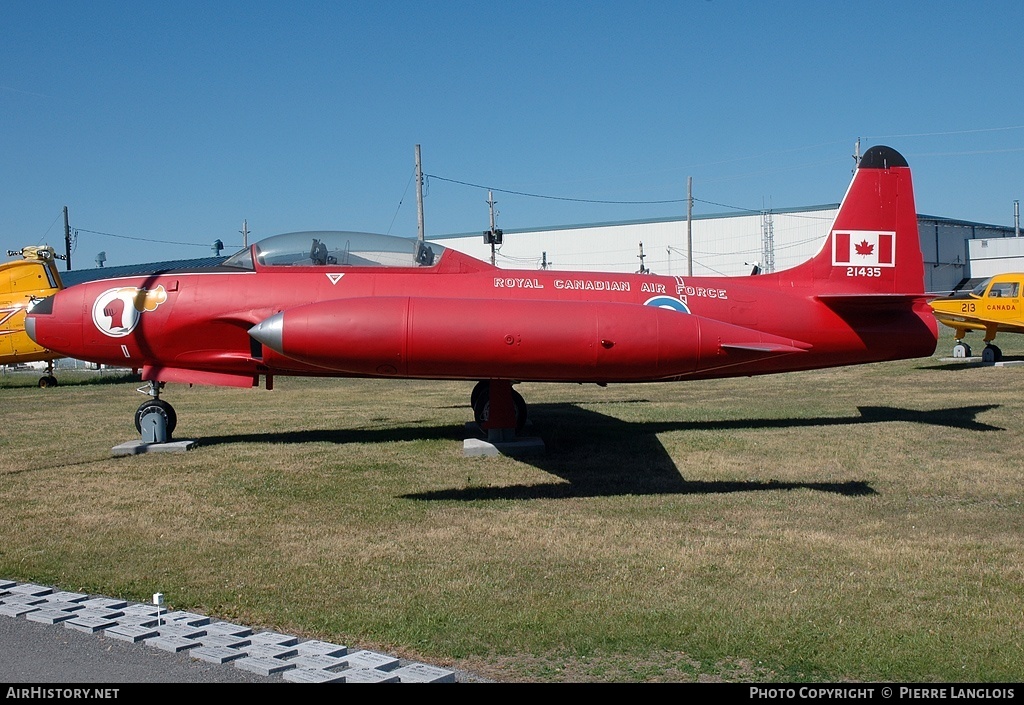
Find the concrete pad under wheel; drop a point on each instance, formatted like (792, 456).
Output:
(978, 362)
(140, 447)
(519, 447)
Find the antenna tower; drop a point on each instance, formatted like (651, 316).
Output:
(767, 241)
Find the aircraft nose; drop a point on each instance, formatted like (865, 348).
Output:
(269, 331)
(42, 306)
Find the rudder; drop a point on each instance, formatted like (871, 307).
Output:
(873, 246)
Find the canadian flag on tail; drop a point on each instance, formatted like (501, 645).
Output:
(863, 248)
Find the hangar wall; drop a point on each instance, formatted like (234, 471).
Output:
(990, 257)
(723, 245)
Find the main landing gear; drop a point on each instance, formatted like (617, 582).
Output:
(48, 380)
(500, 412)
(155, 415)
(991, 353)
(497, 407)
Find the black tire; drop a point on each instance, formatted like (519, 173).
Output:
(482, 409)
(157, 406)
(47, 382)
(991, 353)
(480, 392)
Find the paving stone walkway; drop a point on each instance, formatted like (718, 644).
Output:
(265, 653)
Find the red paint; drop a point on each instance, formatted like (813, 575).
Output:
(460, 318)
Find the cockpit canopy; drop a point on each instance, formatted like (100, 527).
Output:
(1000, 289)
(338, 248)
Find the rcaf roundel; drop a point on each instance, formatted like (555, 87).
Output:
(863, 248)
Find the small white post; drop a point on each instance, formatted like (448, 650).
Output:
(158, 600)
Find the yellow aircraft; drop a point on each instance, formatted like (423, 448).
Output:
(21, 281)
(993, 306)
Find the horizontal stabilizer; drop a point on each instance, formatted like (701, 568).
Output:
(838, 302)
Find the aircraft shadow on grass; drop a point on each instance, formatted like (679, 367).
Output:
(597, 455)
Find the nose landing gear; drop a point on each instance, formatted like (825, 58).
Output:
(155, 419)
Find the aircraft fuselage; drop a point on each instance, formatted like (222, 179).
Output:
(456, 324)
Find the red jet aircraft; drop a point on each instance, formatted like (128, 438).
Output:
(344, 304)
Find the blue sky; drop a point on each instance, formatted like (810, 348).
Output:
(175, 121)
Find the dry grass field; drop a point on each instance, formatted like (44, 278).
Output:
(856, 524)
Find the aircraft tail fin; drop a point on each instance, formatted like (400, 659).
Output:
(873, 247)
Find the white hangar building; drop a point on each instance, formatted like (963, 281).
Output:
(991, 257)
(723, 245)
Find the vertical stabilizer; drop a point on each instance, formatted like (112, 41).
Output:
(873, 246)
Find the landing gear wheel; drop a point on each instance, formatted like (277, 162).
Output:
(157, 406)
(480, 392)
(961, 350)
(991, 354)
(482, 407)
(47, 381)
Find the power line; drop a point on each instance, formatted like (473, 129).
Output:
(951, 132)
(589, 200)
(143, 239)
(51, 226)
(401, 201)
(554, 198)
(969, 152)
(724, 205)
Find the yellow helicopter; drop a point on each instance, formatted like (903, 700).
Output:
(993, 306)
(34, 276)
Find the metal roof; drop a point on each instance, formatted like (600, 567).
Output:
(80, 276)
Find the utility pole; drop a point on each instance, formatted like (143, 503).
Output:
(419, 195)
(1016, 218)
(494, 235)
(67, 238)
(856, 155)
(643, 269)
(544, 264)
(245, 233)
(689, 226)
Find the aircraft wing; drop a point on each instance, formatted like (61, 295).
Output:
(967, 321)
(767, 348)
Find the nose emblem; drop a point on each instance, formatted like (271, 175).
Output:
(116, 312)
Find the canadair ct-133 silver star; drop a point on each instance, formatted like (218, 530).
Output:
(343, 304)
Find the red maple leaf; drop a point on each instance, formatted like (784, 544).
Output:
(864, 248)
